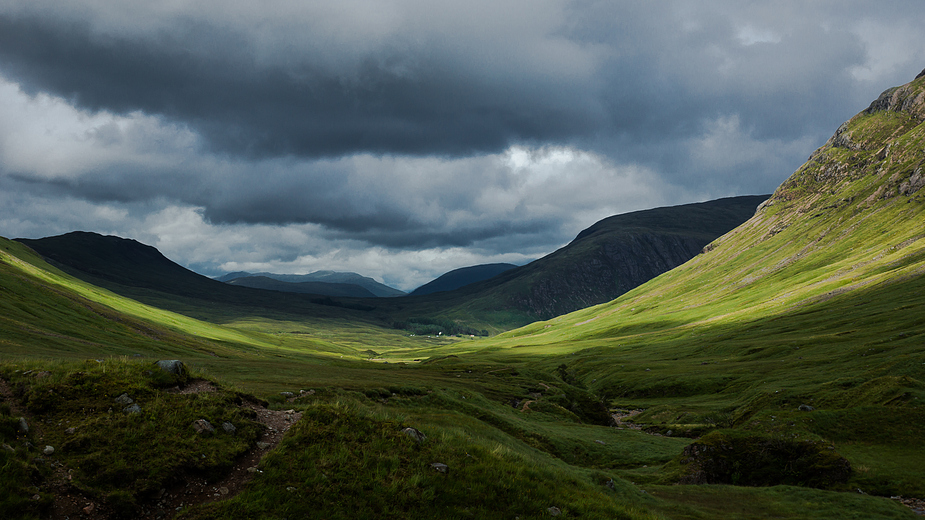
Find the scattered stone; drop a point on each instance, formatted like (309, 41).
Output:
(669, 432)
(440, 467)
(70, 431)
(48, 450)
(554, 511)
(223, 490)
(124, 399)
(263, 445)
(23, 425)
(599, 442)
(609, 484)
(36, 497)
(253, 469)
(806, 408)
(132, 409)
(89, 509)
(290, 489)
(228, 427)
(415, 434)
(203, 427)
(174, 366)
(286, 394)
(7, 447)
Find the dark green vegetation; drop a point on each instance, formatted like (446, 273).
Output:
(119, 431)
(462, 277)
(792, 347)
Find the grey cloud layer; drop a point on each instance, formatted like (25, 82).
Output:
(431, 78)
(414, 125)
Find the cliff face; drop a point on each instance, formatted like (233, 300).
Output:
(875, 156)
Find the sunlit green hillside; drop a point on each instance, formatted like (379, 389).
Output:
(780, 373)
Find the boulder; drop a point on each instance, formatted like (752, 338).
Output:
(415, 434)
(203, 427)
(173, 366)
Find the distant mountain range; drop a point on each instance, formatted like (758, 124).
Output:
(604, 261)
(328, 283)
(462, 277)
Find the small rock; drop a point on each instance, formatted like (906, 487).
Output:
(415, 434)
(89, 509)
(36, 497)
(70, 431)
(132, 409)
(554, 511)
(806, 408)
(286, 394)
(203, 427)
(7, 447)
(669, 432)
(23, 425)
(48, 450)
(253, 469)
(174, 366)
(599, 442)
(124, 399)
(263, 445)
(228, 427)
(609, 484)
(223, 490)
(290, 489)
(440, 467)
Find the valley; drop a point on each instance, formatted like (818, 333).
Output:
(796, 332)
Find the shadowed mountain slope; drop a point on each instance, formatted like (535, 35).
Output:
(461, 277)
(610, 258)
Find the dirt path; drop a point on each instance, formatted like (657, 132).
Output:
(71, 503)
(195, 491)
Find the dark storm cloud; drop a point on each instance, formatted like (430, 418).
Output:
(210, 79)
(491, 126)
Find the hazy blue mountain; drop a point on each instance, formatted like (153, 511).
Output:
(329, 277)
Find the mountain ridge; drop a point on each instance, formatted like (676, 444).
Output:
(458, 278)
(324, 276)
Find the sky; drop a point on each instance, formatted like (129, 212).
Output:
(401, 139)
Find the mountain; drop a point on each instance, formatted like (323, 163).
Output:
(610, 258)
(323, 288)
(141, 272)
(461, 277)
(327, 277)
(604, 261)
(784, 363)
(803, 325)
